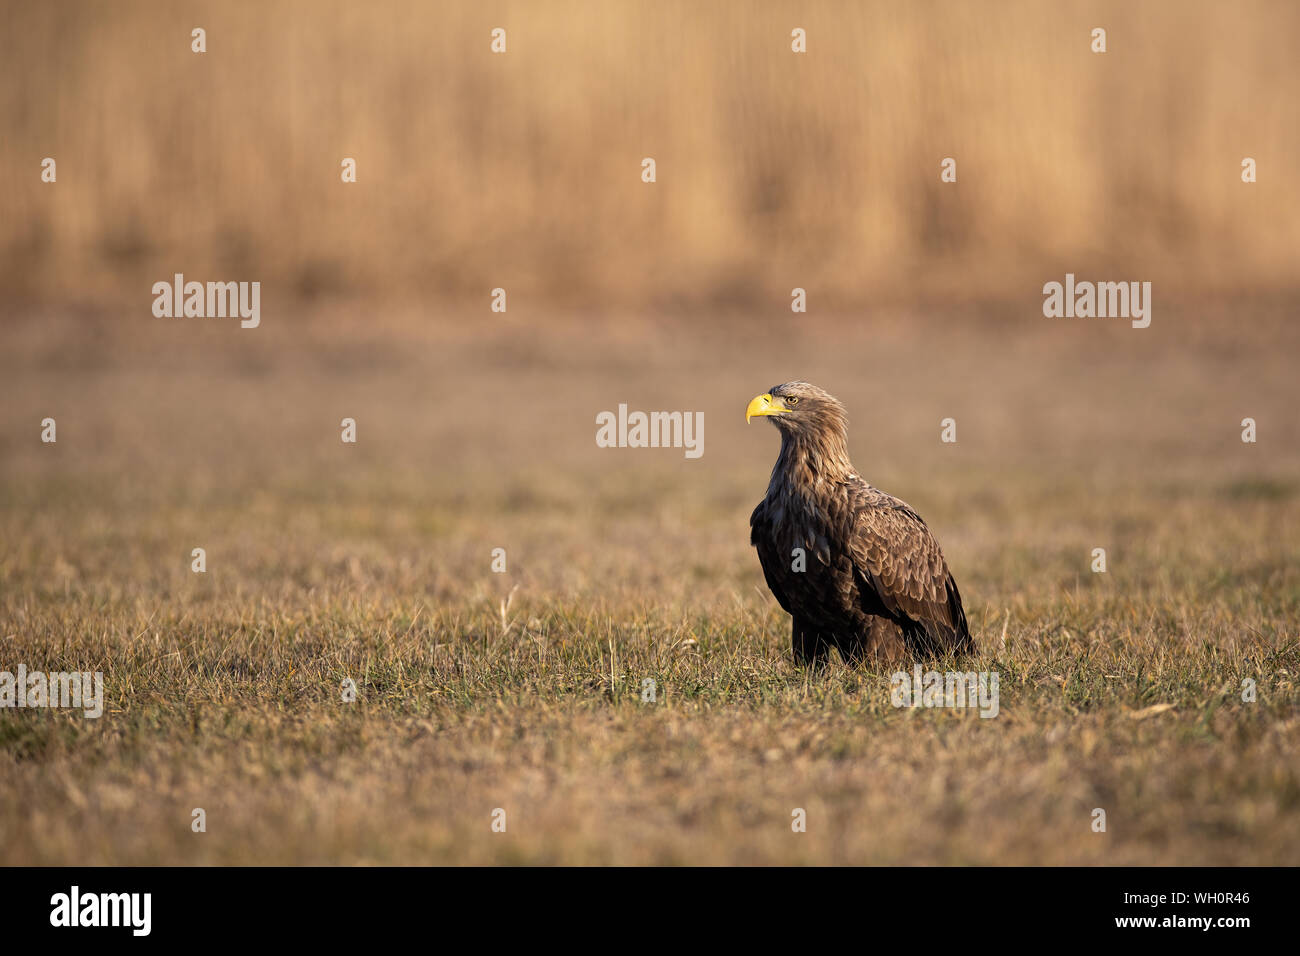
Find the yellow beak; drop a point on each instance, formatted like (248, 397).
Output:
(763, 405)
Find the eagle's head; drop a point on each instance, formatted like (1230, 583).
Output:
(799, 409)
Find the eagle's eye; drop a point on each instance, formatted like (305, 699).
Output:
(792, 400)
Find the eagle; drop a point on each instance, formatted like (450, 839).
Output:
(855, 568)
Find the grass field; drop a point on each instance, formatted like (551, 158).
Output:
(521, 690)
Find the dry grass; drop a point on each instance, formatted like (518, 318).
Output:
(521, 690)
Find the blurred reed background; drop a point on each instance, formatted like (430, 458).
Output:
(522, 170)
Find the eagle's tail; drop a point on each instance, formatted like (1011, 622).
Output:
(962, 642)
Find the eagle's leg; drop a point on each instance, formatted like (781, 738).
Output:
(809, 648)
(884, 639)
(850, 647)
(881, 639)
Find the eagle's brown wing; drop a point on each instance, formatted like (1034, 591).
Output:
(902, 574)
(760, 536)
